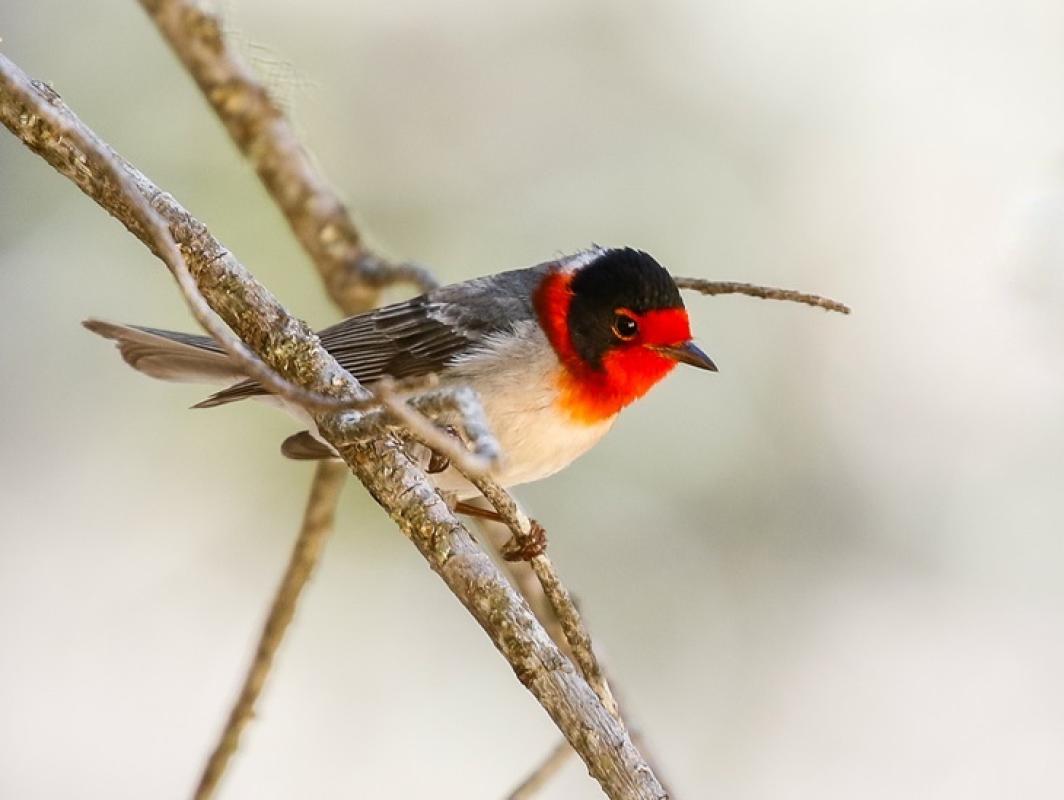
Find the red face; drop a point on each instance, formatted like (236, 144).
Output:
(610, 356)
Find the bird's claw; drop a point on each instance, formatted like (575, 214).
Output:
(437, 462)
(527, 547)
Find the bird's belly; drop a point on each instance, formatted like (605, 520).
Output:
(540, 445)
(537, 440)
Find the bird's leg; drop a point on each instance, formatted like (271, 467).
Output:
(528, 546)
(473, 510)
(518, 547)
(522, 546)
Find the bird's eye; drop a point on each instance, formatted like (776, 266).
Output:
(625, 327)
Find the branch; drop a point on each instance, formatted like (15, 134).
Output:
(36, 115)
(763, 292)
(561, 602)
(352, 274)
(317, 525)
(529, 584)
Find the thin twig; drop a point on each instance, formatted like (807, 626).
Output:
(415, 418)
(527, 583)
(561, 601)
(460, 401)
(764, 292)
(522, 576)
(258, 126)
(534, 589)
(36, 115)
(546, 770)
(317, 525)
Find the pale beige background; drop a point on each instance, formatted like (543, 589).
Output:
(833, 570)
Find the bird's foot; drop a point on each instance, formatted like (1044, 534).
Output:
(528, 546)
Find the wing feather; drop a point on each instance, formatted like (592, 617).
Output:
(423, 334)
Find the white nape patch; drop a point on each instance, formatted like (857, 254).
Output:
(577, 261)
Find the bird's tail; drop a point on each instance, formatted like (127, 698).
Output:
(169, 355)
(187, 358)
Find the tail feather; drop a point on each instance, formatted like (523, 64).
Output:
(238, 391)
(169, 355)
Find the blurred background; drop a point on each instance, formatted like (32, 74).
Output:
(833, 569)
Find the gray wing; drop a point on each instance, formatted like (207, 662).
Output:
(421, 335)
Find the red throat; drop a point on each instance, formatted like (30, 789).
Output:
(628, 371)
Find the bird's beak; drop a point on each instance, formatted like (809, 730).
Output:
(688, 353)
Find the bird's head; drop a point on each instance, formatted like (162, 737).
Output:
(618, 325)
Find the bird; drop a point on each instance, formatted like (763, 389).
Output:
(554, 351)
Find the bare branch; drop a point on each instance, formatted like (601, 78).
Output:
(522, 576)
(36, 115)
(264, 135)
(560, 600)
(352, 274)
(764, 292)
(317, 525)
(413, 418)
(528, 583)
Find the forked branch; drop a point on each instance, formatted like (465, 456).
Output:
(34, 113)
(576, 634)
(353, 275)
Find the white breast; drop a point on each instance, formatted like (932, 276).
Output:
(516, 377)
